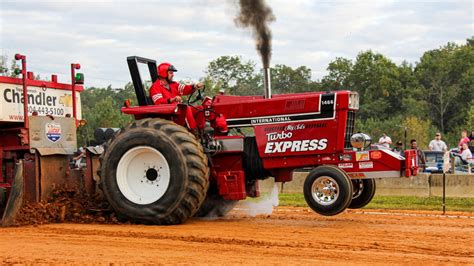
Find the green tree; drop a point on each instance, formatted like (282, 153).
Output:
(231, 74)
(413, 102)
(375, 77)
(14, 65)
(101, 108)
(288, 80)
(338, 77)
(446, 75)
(3, 65)
(4, 70)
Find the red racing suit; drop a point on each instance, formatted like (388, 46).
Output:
(161, 92)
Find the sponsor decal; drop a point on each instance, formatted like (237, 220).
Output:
(291, 105)
(345, 157)
(66, 100)
(53, 131)
(356, 175)
(279, 135)
(362, 156)
(41, 98)
(375, 155)
(296, 146)
(295, 127)
(326, 159)
(325, 110)
(366, 165)
(345, 165)
(266, 120)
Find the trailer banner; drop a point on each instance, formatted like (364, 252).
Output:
(42, 100)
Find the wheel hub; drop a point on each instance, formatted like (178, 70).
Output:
(325, 190)
(143, 175)
(151, 174)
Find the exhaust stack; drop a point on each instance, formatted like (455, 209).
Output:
(267, 86)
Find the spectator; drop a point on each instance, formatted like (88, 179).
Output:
(420, 155)
(471, 141)
(464, 139)
(80, 158)
(385, 141)
(399, 148)
(466, 154)
(437, 144)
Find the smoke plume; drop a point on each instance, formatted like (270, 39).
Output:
(256, 14)
(263, 206)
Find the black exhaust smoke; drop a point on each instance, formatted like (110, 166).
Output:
(256, 14)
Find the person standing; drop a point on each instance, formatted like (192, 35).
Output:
(464, 139)
(420, 155)
(437, 144)
(399, 148)
(385, 141)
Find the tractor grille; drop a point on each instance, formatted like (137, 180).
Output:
(349, 129)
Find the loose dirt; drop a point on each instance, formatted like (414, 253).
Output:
(289, 235)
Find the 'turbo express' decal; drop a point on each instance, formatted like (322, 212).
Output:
(302, 133)
(296, 145)
(293, 138)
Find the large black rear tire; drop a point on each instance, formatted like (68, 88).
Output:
(154, 172)
(364, 191)
(327, 190)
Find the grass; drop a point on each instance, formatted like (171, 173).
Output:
(396, 202)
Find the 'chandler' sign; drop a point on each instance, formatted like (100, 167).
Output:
(44, 101)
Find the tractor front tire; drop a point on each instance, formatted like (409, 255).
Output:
(327, 190)
(364, 191)
(154, 171)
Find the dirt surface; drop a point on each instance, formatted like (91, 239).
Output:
(289, 235)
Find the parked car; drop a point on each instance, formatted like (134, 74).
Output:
(434, 161)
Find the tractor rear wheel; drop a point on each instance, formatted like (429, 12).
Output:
(327, 190)
(154, 172)
(364, 191)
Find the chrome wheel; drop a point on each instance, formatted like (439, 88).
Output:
(325, 190)
(358, 188)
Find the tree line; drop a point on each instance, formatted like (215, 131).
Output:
(435, 94)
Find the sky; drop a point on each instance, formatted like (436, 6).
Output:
(100, 34)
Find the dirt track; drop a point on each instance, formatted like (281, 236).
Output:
(289, 235)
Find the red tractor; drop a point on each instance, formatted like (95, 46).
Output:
(155, 171)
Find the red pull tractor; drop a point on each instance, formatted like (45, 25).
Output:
(155, 171)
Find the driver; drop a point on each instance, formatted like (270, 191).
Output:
(166, 91)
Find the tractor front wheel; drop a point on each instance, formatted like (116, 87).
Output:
(327, 190)
(364, 191)
(154, 172)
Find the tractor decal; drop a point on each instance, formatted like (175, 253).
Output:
(296, 146)
(53, 131)
(324, 111)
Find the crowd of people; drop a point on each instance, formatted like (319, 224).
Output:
(464, 149)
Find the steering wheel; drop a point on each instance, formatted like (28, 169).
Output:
(198, 96)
